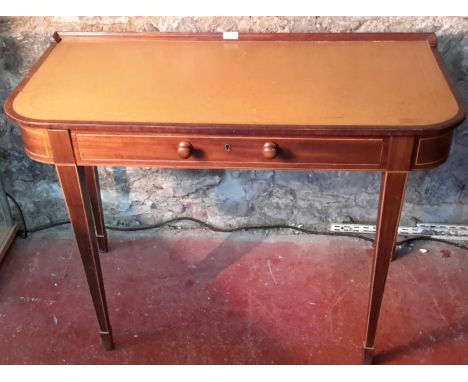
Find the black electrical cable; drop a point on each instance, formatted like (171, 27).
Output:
(210, 227)
(421, 238)
(47, 226)
(21, 233)
(24, 233)
(240, 228)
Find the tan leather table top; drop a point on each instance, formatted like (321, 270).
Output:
(343, 83)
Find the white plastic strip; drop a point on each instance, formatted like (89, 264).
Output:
(230, 35)
(438, 231)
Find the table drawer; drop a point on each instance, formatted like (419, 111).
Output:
(228, 152)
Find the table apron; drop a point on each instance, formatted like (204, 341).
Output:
(225, 152)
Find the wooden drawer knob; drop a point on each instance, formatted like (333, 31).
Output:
(270, 150)
(184, 150)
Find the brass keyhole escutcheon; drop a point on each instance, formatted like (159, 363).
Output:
(227, 147)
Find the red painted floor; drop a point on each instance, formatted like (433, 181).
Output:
(201, 298)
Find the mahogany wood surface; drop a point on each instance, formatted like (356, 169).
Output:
(210, 151)
(36, 144)
(430, 151)
(393, 36)
(359, 102)
(92, 179)
(392, 191)
(75, 189)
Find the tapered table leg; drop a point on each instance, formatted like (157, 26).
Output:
(92, 178)
(391, 201)
(392, 191)
(74, 186)
(75, 189)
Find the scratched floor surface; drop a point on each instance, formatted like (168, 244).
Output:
(201, 298)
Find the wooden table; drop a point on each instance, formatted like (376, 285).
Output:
(359, 102)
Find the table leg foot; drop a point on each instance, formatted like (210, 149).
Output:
(107, 340)
(367, 355)
(102, 244)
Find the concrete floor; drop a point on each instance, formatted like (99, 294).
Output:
(195, 297)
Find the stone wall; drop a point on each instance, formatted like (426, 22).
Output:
(139, 196)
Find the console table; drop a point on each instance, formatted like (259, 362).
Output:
(357, 102)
